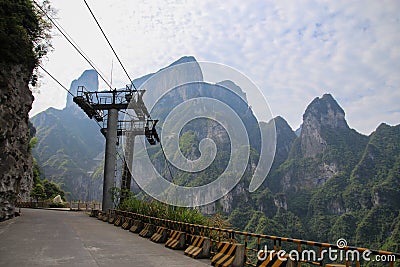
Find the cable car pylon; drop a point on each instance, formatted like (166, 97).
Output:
(101, 104)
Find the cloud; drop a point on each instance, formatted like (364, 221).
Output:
(293, 50)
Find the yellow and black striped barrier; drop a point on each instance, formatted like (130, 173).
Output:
(228, 254)
(199, 247)
(127, 223)
(136, 227)
(119, 221)
(147, 231)
(176, 240)
(271, 259)
(112, 216)
(94, 213)
(112, 219)
(105, 218)
(101, 215)
(219, 235)
(160, 236)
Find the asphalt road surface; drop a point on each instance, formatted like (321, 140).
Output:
(61, 238)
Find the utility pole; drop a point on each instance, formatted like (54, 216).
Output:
(94, 104)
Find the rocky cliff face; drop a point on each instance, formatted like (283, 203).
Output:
(326, 146)
(89, 80)
(240, 194)
(322, 113)
(285, 137)
(15, 158)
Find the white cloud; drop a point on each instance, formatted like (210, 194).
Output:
(293, 50)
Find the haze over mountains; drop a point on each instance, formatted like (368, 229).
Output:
(327, 182)
(69, 144)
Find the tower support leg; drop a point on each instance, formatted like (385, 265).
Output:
(126, 173)
(110, 159)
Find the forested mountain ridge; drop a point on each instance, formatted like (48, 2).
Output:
(335, 183)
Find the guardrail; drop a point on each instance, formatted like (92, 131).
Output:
(86, 206)
(303, 251)
(72, 205)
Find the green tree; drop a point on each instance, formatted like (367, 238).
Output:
(36, 172)
(24, 33)
(52, 189)
(38, 192)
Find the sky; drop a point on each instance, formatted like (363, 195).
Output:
(293, 51)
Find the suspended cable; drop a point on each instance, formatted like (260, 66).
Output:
(65, 88)
(97, 69)
(167, 163)
(131, 116)
(72, 43)
(158, 181)
(112, 48)
(48, 73)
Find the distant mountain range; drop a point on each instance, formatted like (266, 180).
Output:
(327, 181)
(70, 146)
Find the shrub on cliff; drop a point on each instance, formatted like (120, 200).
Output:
(24, 33)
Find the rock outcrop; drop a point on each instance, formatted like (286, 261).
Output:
(322, 113)
(325, 147)
(15, 157)
(89, 80)
(285, 137)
